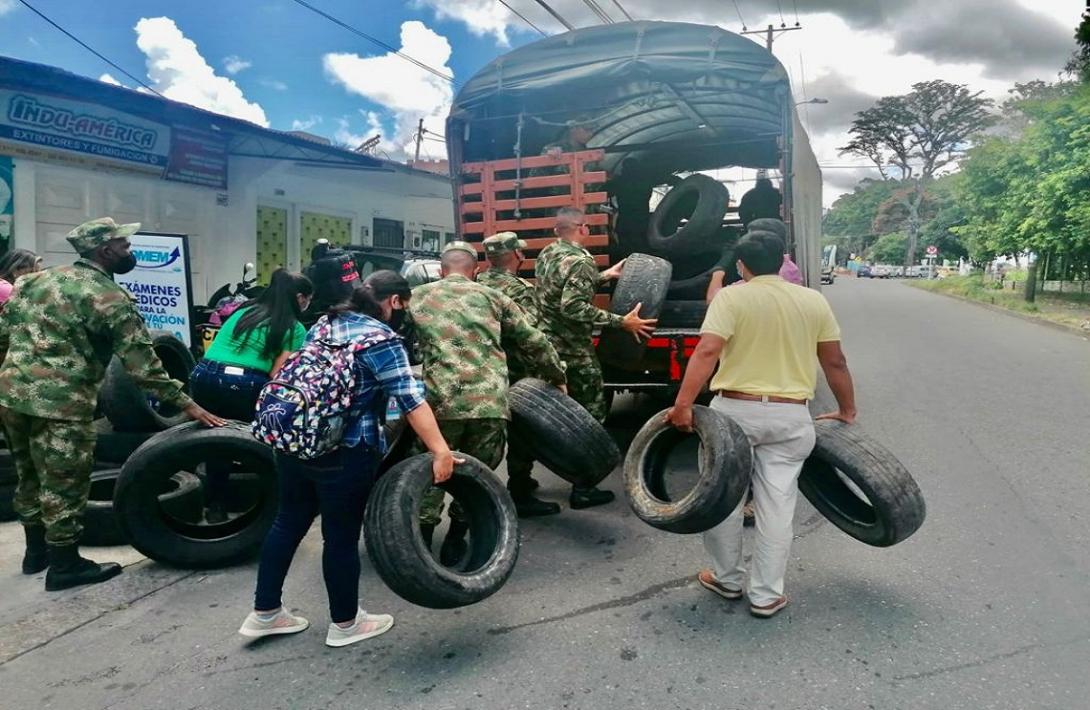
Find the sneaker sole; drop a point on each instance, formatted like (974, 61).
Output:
(731, 595)
(282, 631)
(340, 643)
(767, 613)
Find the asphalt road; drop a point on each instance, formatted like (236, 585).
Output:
(986, 607)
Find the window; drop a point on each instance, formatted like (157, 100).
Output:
(389, 233)
(429, 240)
(450, 237)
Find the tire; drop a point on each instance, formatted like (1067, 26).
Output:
(682, 314)
(560, 434)
(116, 447)
(725, 462)
(7, 502)
(101, 524)
(196, 545)
(896, 507)
(391, 531)
(644, 280)
(126, 405)
(690, 289)
(699, 197)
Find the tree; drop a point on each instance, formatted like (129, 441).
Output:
(919, 134)
(889, 248)
(852, 215)
(1079, 64)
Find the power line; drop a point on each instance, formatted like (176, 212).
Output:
(797, 23)
(522, 17)
(598, 11)
(83, 44)
(779, 6)
(375, 41)
(739, 12)
(555, 14)
(623, 11)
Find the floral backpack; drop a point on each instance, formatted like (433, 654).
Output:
(303, 411)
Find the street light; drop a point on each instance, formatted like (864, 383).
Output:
(812, 101)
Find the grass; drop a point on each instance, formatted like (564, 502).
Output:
(1058, 308)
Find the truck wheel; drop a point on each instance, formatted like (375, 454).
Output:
(127, 406)
(682, 314)
(644, 281)
(559, 433)
(698, 199)
(391, 532)
(860, 487)
(201, 545)
(718, 455)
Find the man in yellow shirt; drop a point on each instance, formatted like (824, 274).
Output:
(768, 337)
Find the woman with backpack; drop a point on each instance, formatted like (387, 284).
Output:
(13, 265)
(352, 346)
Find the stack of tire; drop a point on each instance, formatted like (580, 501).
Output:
(854, 482)
(556, 431)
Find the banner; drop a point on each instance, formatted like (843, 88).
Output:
(7, 202)
(79, 127)
(161, 283)
(197, 158)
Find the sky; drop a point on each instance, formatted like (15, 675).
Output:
(278, 64)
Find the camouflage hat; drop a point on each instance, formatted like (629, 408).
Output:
(503, 243)
(90, 235)
(460, 246)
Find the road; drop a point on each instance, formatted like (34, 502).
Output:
(984, 608)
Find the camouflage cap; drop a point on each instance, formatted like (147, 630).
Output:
(90, 235)
(461, 246)
(503, 243)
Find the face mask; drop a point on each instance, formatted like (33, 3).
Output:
(124, 265)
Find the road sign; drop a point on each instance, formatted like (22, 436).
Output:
(932, 250)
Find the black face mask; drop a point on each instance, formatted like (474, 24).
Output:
(124, 265)
(397, 319)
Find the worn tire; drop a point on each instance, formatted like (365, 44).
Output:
(560, 434)
(391, 531)
(726, 461)
(101, 524)
(114, 446)
(896, 509)
(706, 198)
(644, 280)
(199, 545)
(7, 502)
(127, 406)
(682, 314)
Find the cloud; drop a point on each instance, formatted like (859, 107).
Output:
(108, 79)
(481, 17)
(274, 84)
(407, 92)
(7, 6)
(844, 102)
(178, 71)
(234, 64)
(306, 124)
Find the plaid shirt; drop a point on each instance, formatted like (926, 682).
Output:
(382, 371)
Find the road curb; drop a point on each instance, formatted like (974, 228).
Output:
(1006, 311)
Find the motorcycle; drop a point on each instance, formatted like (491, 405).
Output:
(224, 301)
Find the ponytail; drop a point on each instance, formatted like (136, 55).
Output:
(366, 297)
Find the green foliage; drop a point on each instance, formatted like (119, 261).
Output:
(889, 249)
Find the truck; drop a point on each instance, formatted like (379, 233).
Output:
(618, 113)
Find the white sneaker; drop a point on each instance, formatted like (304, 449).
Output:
(283, 623)
(366, 626)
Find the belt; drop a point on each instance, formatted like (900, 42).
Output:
(731, 394)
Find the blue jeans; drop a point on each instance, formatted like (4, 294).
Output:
(336, 487)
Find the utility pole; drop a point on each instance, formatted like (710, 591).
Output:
(419, 140)
(770, 33)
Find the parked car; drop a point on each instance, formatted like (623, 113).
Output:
(880, 271)
(828, 274)
(863, 272)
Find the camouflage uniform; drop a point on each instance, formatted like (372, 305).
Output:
(462, 328)
(59, 331)
(567, 279)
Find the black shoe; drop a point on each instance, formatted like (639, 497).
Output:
(589, 497)
(454, 546)
(36, 557)
(427, 532)
(530, 507)
(532, 485)
(67, 569)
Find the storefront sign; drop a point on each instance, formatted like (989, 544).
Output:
(197, 158)
(161, 282)
(78, 127)
(7, 201)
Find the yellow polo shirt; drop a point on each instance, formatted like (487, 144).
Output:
(772, 329)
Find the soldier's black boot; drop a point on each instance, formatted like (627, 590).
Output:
(454, 544)
(589, 497)
(36, 557)
(530, 506)
(67, 569)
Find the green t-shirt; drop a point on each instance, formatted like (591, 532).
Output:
(229, 350)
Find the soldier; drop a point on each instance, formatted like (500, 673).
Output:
(504, 252)
(59, 331)
(462, 328)
(567, 279)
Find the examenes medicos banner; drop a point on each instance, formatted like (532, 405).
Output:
(161, 283)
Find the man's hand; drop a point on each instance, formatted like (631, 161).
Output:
(681, 418)
(197, 412)
(641, 328)
(846, 417)
(614, 272)
(555, 152)
(442, 466)
(562, 388)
